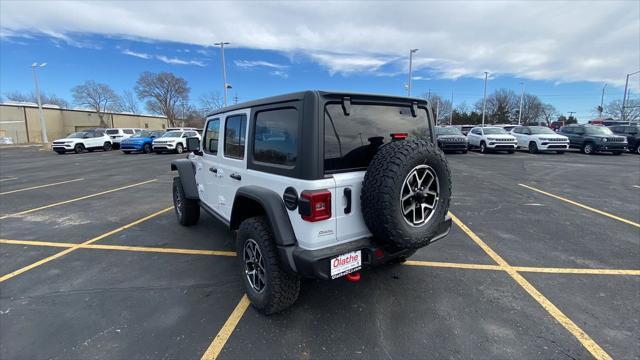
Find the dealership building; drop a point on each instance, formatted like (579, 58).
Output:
(20, 122)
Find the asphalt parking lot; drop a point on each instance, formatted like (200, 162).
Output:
(543, 262)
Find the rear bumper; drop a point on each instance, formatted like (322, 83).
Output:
(316, 263)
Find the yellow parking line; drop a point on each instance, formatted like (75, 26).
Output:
(120, 248)
(76, 199)
(7, 179)
(77, 246)
(586, 341)
(452, 265)
(582, 206)
(626, 272)
(40, 186)
(225, 332)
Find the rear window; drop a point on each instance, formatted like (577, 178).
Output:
(351, 141)
(112, 131)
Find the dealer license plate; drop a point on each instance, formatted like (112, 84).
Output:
(346, 263)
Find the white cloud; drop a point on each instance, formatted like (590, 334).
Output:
(176, 61)
(258, 63)
(546, 40)
(136, 54)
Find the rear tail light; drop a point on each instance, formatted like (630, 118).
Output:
(315, 205)
(399, 136)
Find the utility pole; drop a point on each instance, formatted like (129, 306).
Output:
(484, 97)
(521, 100)
(235, 98)
(224, 70)
(43, 125)
(411, 51)
(437, 111)
(624, 97)
(451, 112)
(601, 108)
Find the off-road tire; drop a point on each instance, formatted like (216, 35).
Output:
(79, 148)
(187, 210)
(281, 288)
(146, 148)
(382, 208)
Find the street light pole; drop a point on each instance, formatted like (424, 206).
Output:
(43, 125)
(484, 97)
(602, 101)
(521, 100)
(624, 97)
(224, 70)
(451, 112)
(411, 51)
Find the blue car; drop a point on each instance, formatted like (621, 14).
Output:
(140, 141)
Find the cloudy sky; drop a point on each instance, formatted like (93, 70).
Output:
(563, 51)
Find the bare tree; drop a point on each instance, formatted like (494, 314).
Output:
(99, 97)
(532, 109)
(31, 97)
(441, 107)
(128, 103)
(549, 112)
(210, 102)
(632, 109)
(501, 106)
(164, 93)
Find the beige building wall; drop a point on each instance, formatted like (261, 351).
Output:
(22, 122)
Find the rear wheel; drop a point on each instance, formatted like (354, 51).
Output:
(187, 210)
(78, 148)
(270, 288)
(146, 148)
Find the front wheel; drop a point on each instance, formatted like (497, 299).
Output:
(187, 210)
(637, 149)
(588, 148)
(533, 148)
(106, 146)
(270, 288)
(146, 148)
(179, 148)
(78, 148)
(483, 147)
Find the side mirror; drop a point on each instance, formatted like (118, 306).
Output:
(193, 144)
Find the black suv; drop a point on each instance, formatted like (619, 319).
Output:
(591, 139)
(451, 139)
(632, 133)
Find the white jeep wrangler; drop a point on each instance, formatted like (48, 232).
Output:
(317, 185)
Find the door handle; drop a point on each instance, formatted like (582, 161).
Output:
(213, 170)
(235, 176)
(347, 194)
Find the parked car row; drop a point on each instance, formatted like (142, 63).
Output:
(589, 139)
(128, 140)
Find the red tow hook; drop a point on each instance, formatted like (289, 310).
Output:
(353, 277)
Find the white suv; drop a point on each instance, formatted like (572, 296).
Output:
(90, 139)
(491, 139)
(175, 141)
(540, 138)
(317, 185)
(119, 134)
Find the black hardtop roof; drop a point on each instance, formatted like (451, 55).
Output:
(302, 94)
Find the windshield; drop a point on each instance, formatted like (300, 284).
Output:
(77, 135)
(597, 130)
(112, 131)
(172, 134)
(535, 130)
(448, 131)
(143, 134)
(494, 131)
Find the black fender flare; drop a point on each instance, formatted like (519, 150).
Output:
(187, 172)
(274, 210)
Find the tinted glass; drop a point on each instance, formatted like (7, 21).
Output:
(142, 134)
(541, 130)
(234, 136)
(170, 134)
(112, 131)
(597, 130)
(518, 130)
(494, 131)
(350, 141)
(77, 135)
(276, 137)
(448, 131)
(128, 131)
(633, 129)
(211, 136)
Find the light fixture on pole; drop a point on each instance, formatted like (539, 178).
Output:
(411, 52)
(601, 108)
(521, 100)
(43, 125)
(624, 96)
(224, 70)
(484, 97)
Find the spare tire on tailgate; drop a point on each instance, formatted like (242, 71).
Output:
(405, 194)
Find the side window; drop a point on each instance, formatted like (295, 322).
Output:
(276, 137)
(211, 136)
(234, 136)
(128, 131)
(517, 130)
